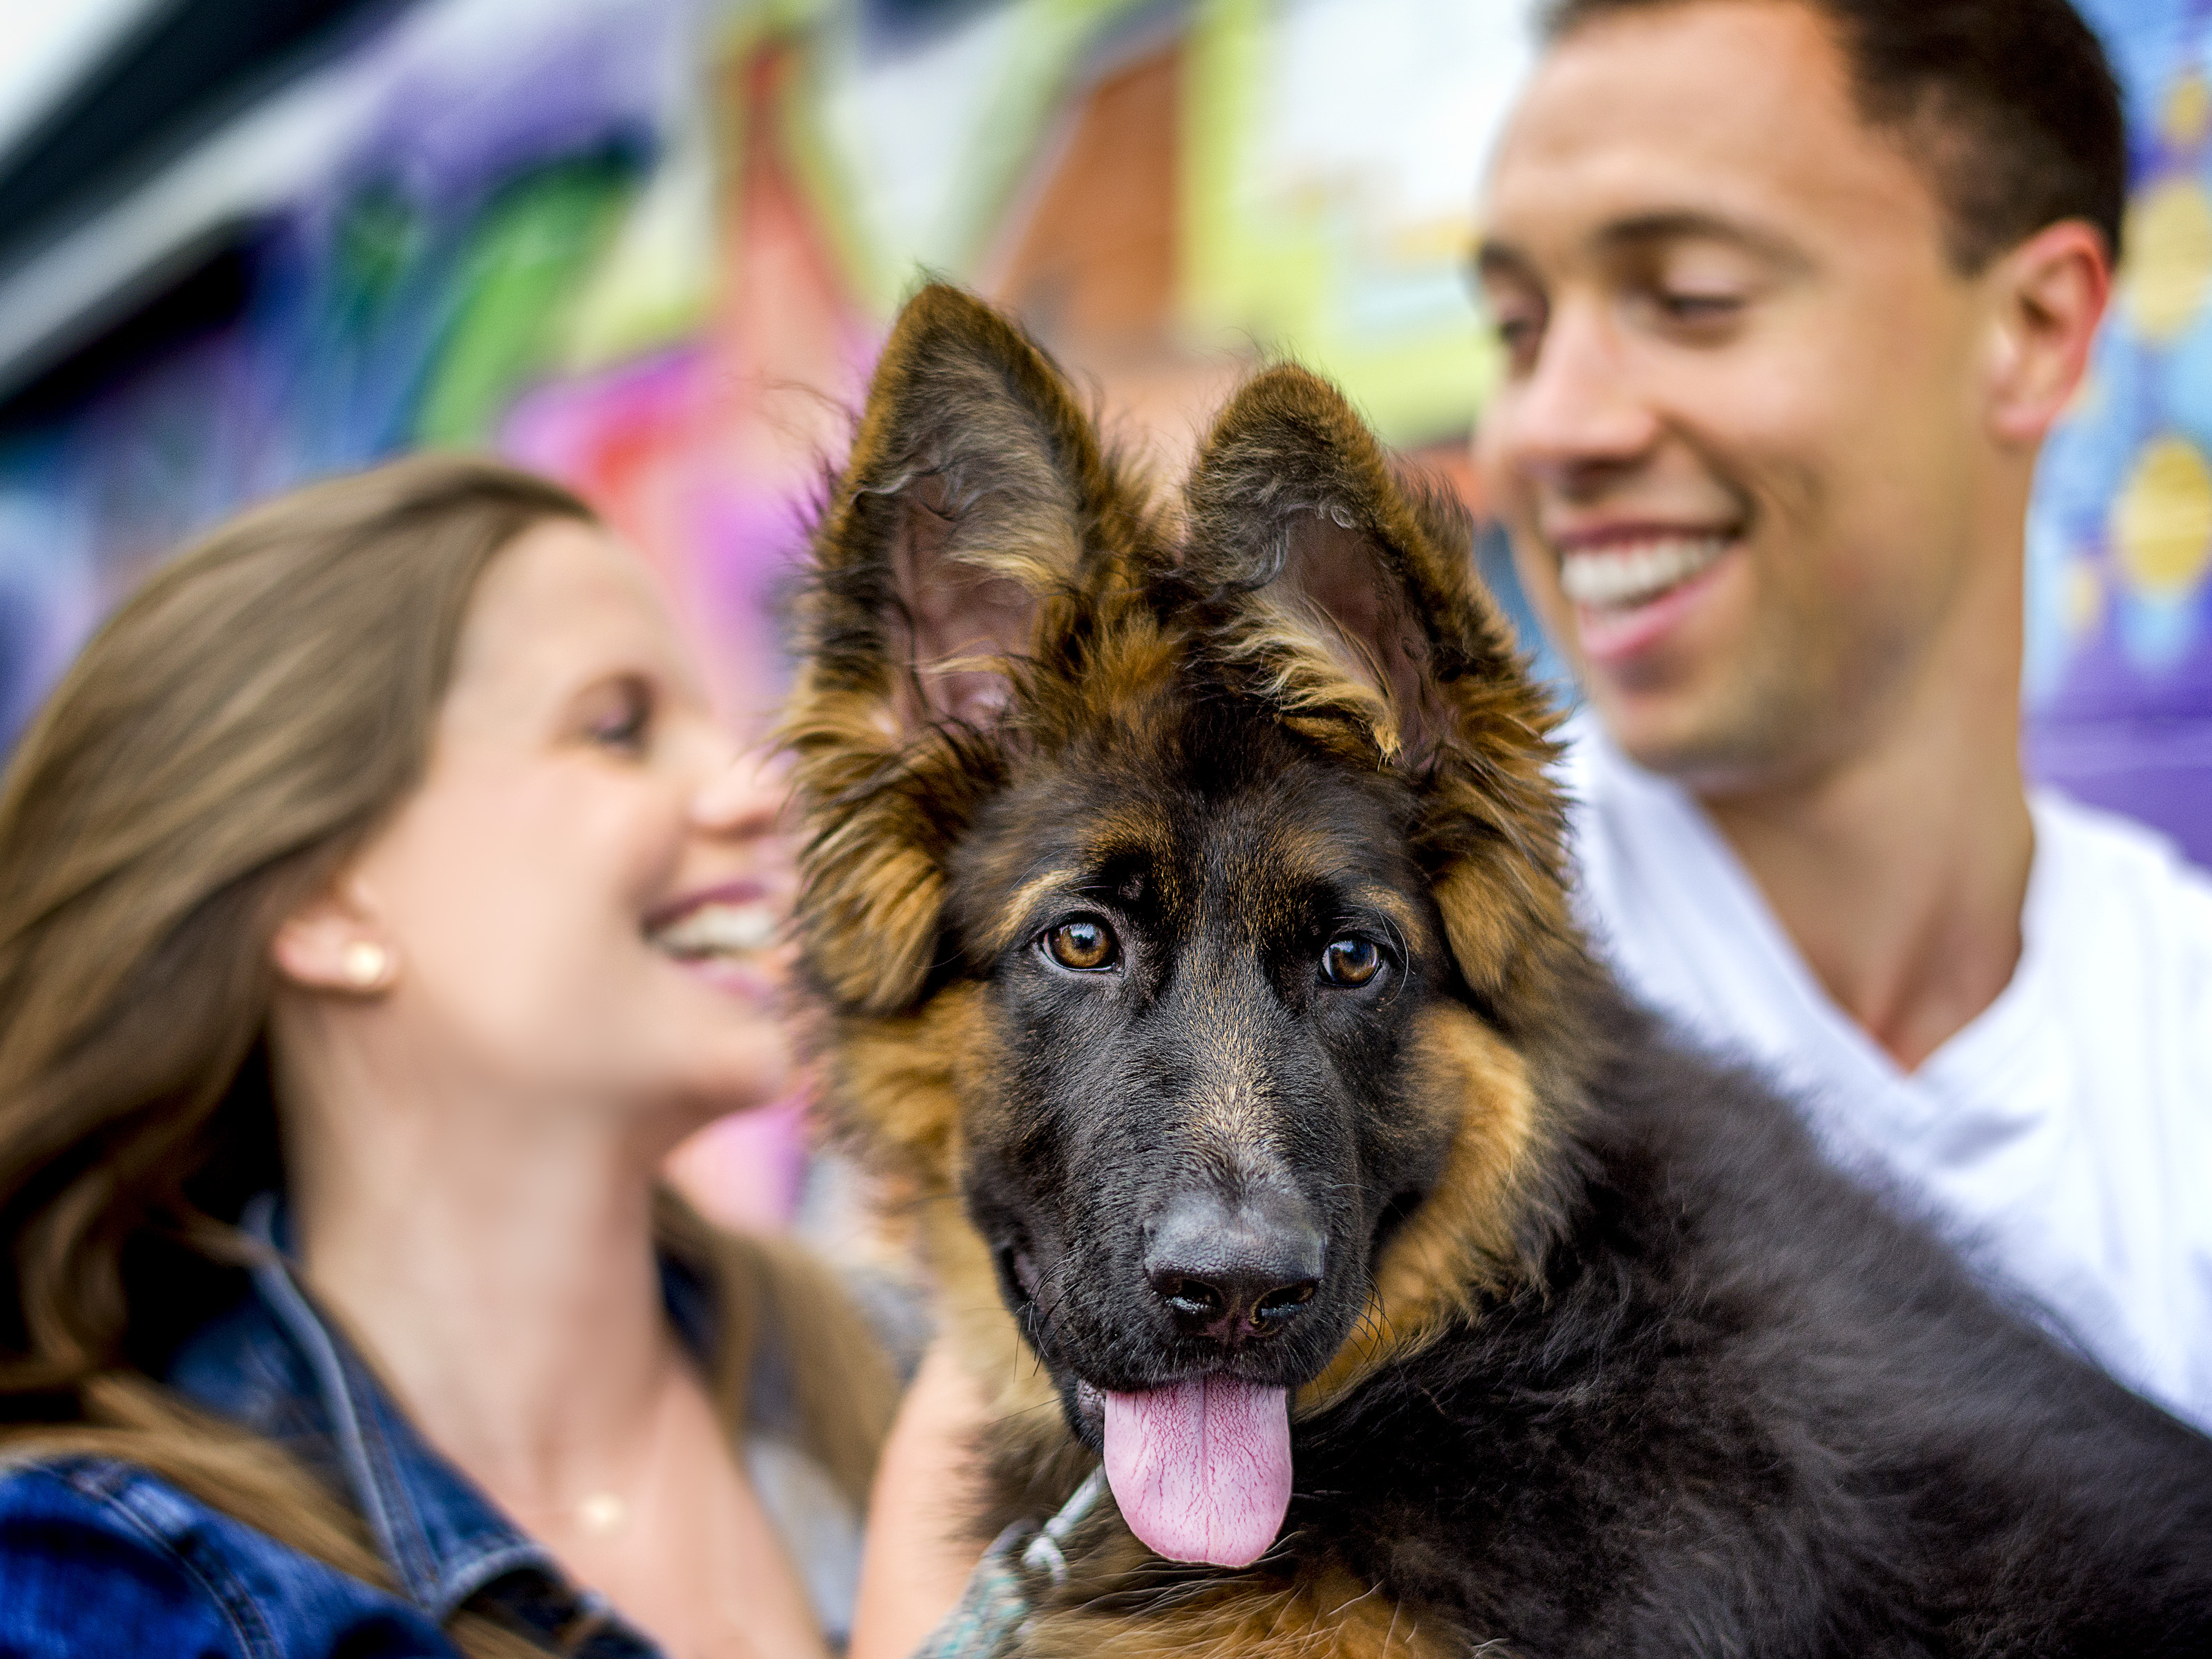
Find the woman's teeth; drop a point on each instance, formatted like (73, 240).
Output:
(720, 930)
(1619, 578)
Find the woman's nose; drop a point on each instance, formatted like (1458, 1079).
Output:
(742, 796)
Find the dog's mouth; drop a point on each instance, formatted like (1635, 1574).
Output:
(1201, 1468)
(1199, 1464)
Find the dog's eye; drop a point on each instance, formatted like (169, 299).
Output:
(1350, 960)
(1087, 945)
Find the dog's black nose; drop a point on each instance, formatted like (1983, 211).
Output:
(1234, 1269)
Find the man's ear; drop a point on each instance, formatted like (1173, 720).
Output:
(2049, 294)
(333, 942)
(976, 499)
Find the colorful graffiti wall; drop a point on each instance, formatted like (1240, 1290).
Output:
(649, 245)
(2119, 680)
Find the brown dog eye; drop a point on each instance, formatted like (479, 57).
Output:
(1350, 961)
(1085, 945)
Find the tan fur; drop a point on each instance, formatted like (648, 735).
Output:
(905, 1071)
(875, 896)
(1308, 666)
(899, 1074)
(1458, 1244)
(1134, 661)
(1413, 928)
(1493, 912)
(1326, 1614)
(1126, 830)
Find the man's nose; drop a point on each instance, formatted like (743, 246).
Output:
(1575, 416)
(1236, 1269)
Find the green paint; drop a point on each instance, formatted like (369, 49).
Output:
(517, 271)
(379, 240)
(1259, 268)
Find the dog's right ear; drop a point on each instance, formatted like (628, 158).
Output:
(1355, 598)
(976, 485)
(973, 475)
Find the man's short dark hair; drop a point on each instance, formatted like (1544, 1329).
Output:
(2007, 106)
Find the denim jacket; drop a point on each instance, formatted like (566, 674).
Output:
(98, 1556)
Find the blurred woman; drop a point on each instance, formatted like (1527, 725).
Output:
(378, 905)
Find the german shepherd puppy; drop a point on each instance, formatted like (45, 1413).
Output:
(1186, 895)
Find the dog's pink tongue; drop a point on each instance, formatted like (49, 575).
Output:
(1202, 1470)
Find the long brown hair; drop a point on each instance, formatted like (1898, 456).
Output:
(238, 729)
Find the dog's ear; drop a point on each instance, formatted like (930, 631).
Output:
(974, 487)
(1352, 602)
(1359, 584)
(963, 507)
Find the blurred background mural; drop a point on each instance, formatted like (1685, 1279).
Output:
(2119, 672)
(649, 246)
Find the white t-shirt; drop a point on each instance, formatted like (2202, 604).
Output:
(2063, 1139)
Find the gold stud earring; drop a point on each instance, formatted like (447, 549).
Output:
(366, 964)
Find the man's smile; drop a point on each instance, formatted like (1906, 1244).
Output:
(1630, 585)
(1631, 574)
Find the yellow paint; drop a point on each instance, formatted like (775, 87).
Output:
(2169, 235)
(1265, 266)
(2082, 599)
(2188, 112)
(2162, 522)
(2187, 115)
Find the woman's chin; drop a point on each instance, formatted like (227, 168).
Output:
(731, 1075)
(755, 979)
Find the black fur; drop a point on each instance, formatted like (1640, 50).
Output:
(1692, 1390)
(1740, 1405)
(1751, 1411)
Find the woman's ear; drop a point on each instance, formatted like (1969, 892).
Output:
(2050, 293)
(334, 943)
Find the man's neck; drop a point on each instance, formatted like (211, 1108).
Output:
(1900, 872)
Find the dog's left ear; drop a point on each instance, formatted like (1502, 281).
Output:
(1351, 600)
(976, 504)
(1359, 587)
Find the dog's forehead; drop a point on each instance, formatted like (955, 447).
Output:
(1231, 812)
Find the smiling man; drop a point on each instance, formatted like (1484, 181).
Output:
(1791, 291)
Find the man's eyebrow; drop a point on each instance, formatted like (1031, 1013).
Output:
(1679, 224)
(1493, 258)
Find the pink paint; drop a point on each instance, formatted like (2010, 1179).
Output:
(743, 1171)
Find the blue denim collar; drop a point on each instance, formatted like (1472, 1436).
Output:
(273, 1364)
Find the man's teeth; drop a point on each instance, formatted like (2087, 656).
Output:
(1616, 578)
(720, 930)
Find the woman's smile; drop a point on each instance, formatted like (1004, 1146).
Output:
(732, 936)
